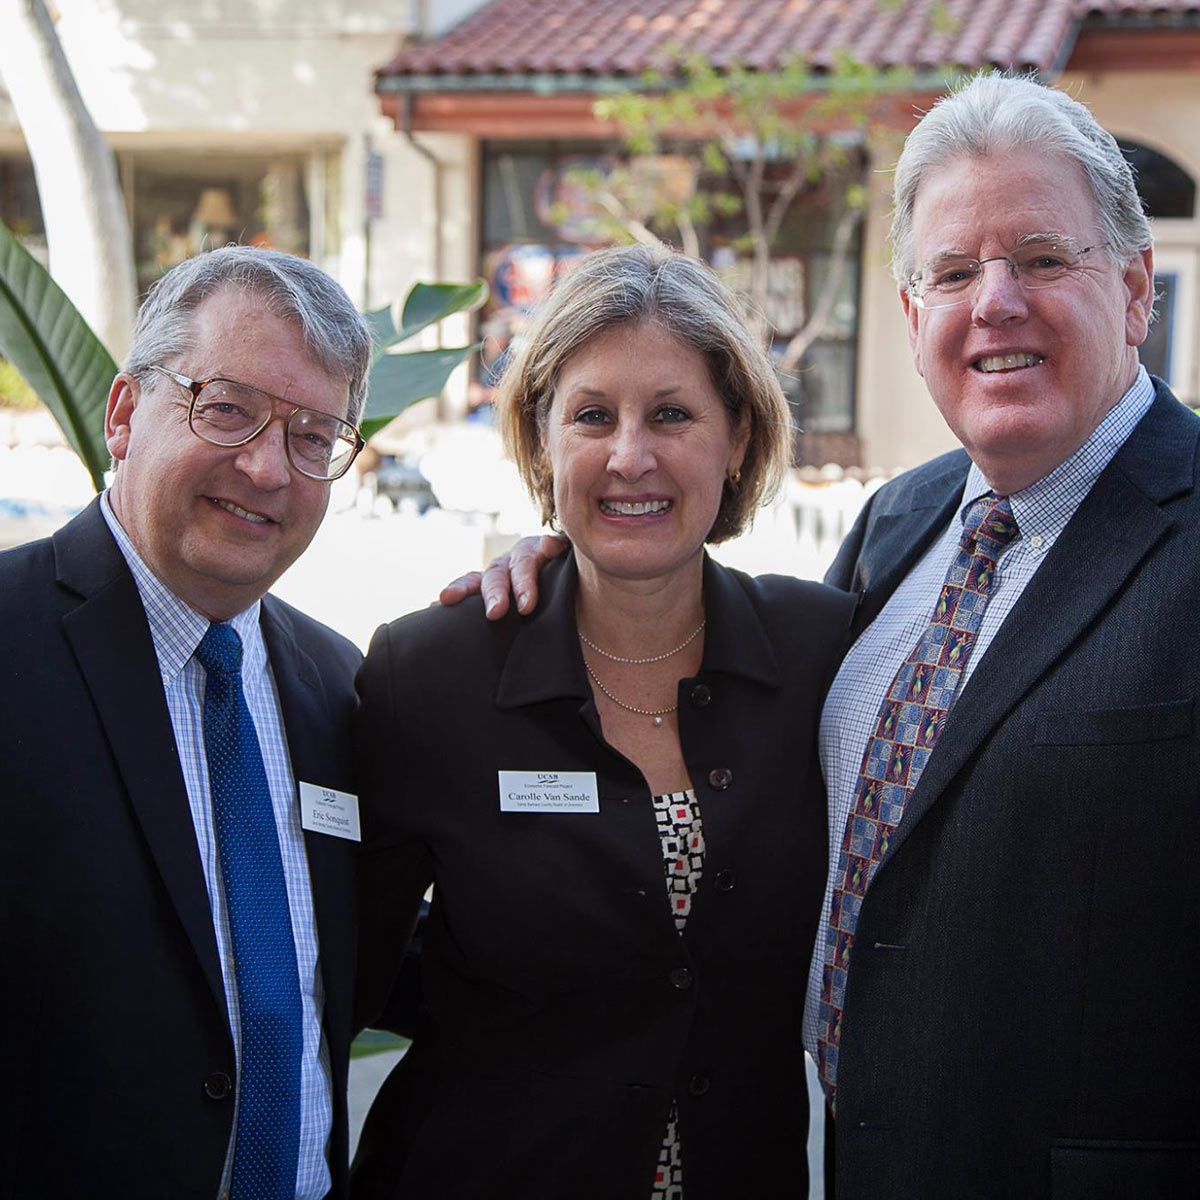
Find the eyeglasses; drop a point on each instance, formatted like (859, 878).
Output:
(954, 279)
(227, 413)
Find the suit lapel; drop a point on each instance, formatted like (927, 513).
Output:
(1115, 527)
(312, 734)
(111, 640)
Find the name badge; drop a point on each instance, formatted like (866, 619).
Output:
(324, 810)
(549, 792)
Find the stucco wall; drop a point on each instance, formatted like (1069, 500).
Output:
(898, 425)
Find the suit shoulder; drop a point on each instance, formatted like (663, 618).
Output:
(24, 570)
(316, 638)
(431, 634)
(787, 596)
(948, 465)
(800, 616)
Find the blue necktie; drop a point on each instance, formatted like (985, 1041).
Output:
(267, 1141)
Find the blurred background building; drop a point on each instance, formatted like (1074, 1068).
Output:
(391, 140)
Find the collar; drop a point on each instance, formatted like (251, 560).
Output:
(545, 661)
(175, 627)
(1043, 509)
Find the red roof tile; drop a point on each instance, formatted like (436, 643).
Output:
(622, 38)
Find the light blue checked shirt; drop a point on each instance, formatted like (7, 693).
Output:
(177, 630)
(1042, 511)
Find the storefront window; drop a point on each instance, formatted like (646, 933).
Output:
(185, 205)
(19, 206)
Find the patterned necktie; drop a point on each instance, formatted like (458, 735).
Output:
(267, 1141)
(910, 722)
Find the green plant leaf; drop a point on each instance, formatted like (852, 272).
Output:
(54, 348)
(428, 303)
(383, 329)
(398, 380)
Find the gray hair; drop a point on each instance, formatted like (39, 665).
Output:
(292, 288)
(634, 285)
(992, 114)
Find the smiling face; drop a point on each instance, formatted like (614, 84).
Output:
(1021, 376)
(218, 525)
(640, 445)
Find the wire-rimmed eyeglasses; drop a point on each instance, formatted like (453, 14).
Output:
(225, 412)
(954, 278)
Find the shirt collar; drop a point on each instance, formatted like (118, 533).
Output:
(1043, 509)
(175, 627)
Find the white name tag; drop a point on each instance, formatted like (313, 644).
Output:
(324, 810)
(549, 791)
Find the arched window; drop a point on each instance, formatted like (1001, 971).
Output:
(1167, 189)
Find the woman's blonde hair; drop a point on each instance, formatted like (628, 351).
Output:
(634, 285)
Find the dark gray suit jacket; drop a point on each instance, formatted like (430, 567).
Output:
(1022, 1013)
(115, 1051)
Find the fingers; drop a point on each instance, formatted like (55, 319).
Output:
(459, 589)
(495, 588)
(516, 571)
(527, 558)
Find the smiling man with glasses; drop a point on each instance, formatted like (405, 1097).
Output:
(177, 1019)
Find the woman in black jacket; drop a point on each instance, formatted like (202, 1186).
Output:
(617, 799)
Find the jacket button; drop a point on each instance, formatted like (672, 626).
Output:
(726, 880)
(218, 1085)
(681, 978)
(701, 696)
(699, 1084)
(720, 778)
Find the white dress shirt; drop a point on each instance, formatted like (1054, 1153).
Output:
(177, 630)
(1042, 511)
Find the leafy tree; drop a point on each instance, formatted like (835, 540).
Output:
(87, 228)
(751, 142)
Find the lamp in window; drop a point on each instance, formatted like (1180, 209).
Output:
(213, 219)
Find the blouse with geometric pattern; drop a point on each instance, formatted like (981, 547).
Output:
(682, 836)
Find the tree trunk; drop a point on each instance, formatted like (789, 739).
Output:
(87, 229)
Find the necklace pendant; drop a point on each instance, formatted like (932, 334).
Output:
(658, 720)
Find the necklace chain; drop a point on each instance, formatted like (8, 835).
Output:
(641, 662)
(656, 713)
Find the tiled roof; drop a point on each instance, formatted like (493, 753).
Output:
(622, 38)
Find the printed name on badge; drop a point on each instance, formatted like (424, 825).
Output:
(324, 810)
(549, 792)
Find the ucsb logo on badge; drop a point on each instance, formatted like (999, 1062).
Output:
(549, 792)
(326, 810)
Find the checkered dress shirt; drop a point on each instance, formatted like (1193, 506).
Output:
(177, 630)
(1042, 511)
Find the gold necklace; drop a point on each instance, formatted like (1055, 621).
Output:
(656, 713)
(641, 662)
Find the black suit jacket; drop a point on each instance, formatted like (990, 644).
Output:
(564, 1009)
(1021, 1010)
(115, 1051)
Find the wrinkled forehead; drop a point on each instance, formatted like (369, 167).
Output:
(998, 202)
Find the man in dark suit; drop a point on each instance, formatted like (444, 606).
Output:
(175, 994)
(1003, 1001)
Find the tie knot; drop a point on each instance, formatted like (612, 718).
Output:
(989, 525)
(220, 650)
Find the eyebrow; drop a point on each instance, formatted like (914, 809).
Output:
(600, 394)
(1037, 238)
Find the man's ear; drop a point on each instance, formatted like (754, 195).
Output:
(1138, 278)
(912, 315)
(123, 397)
